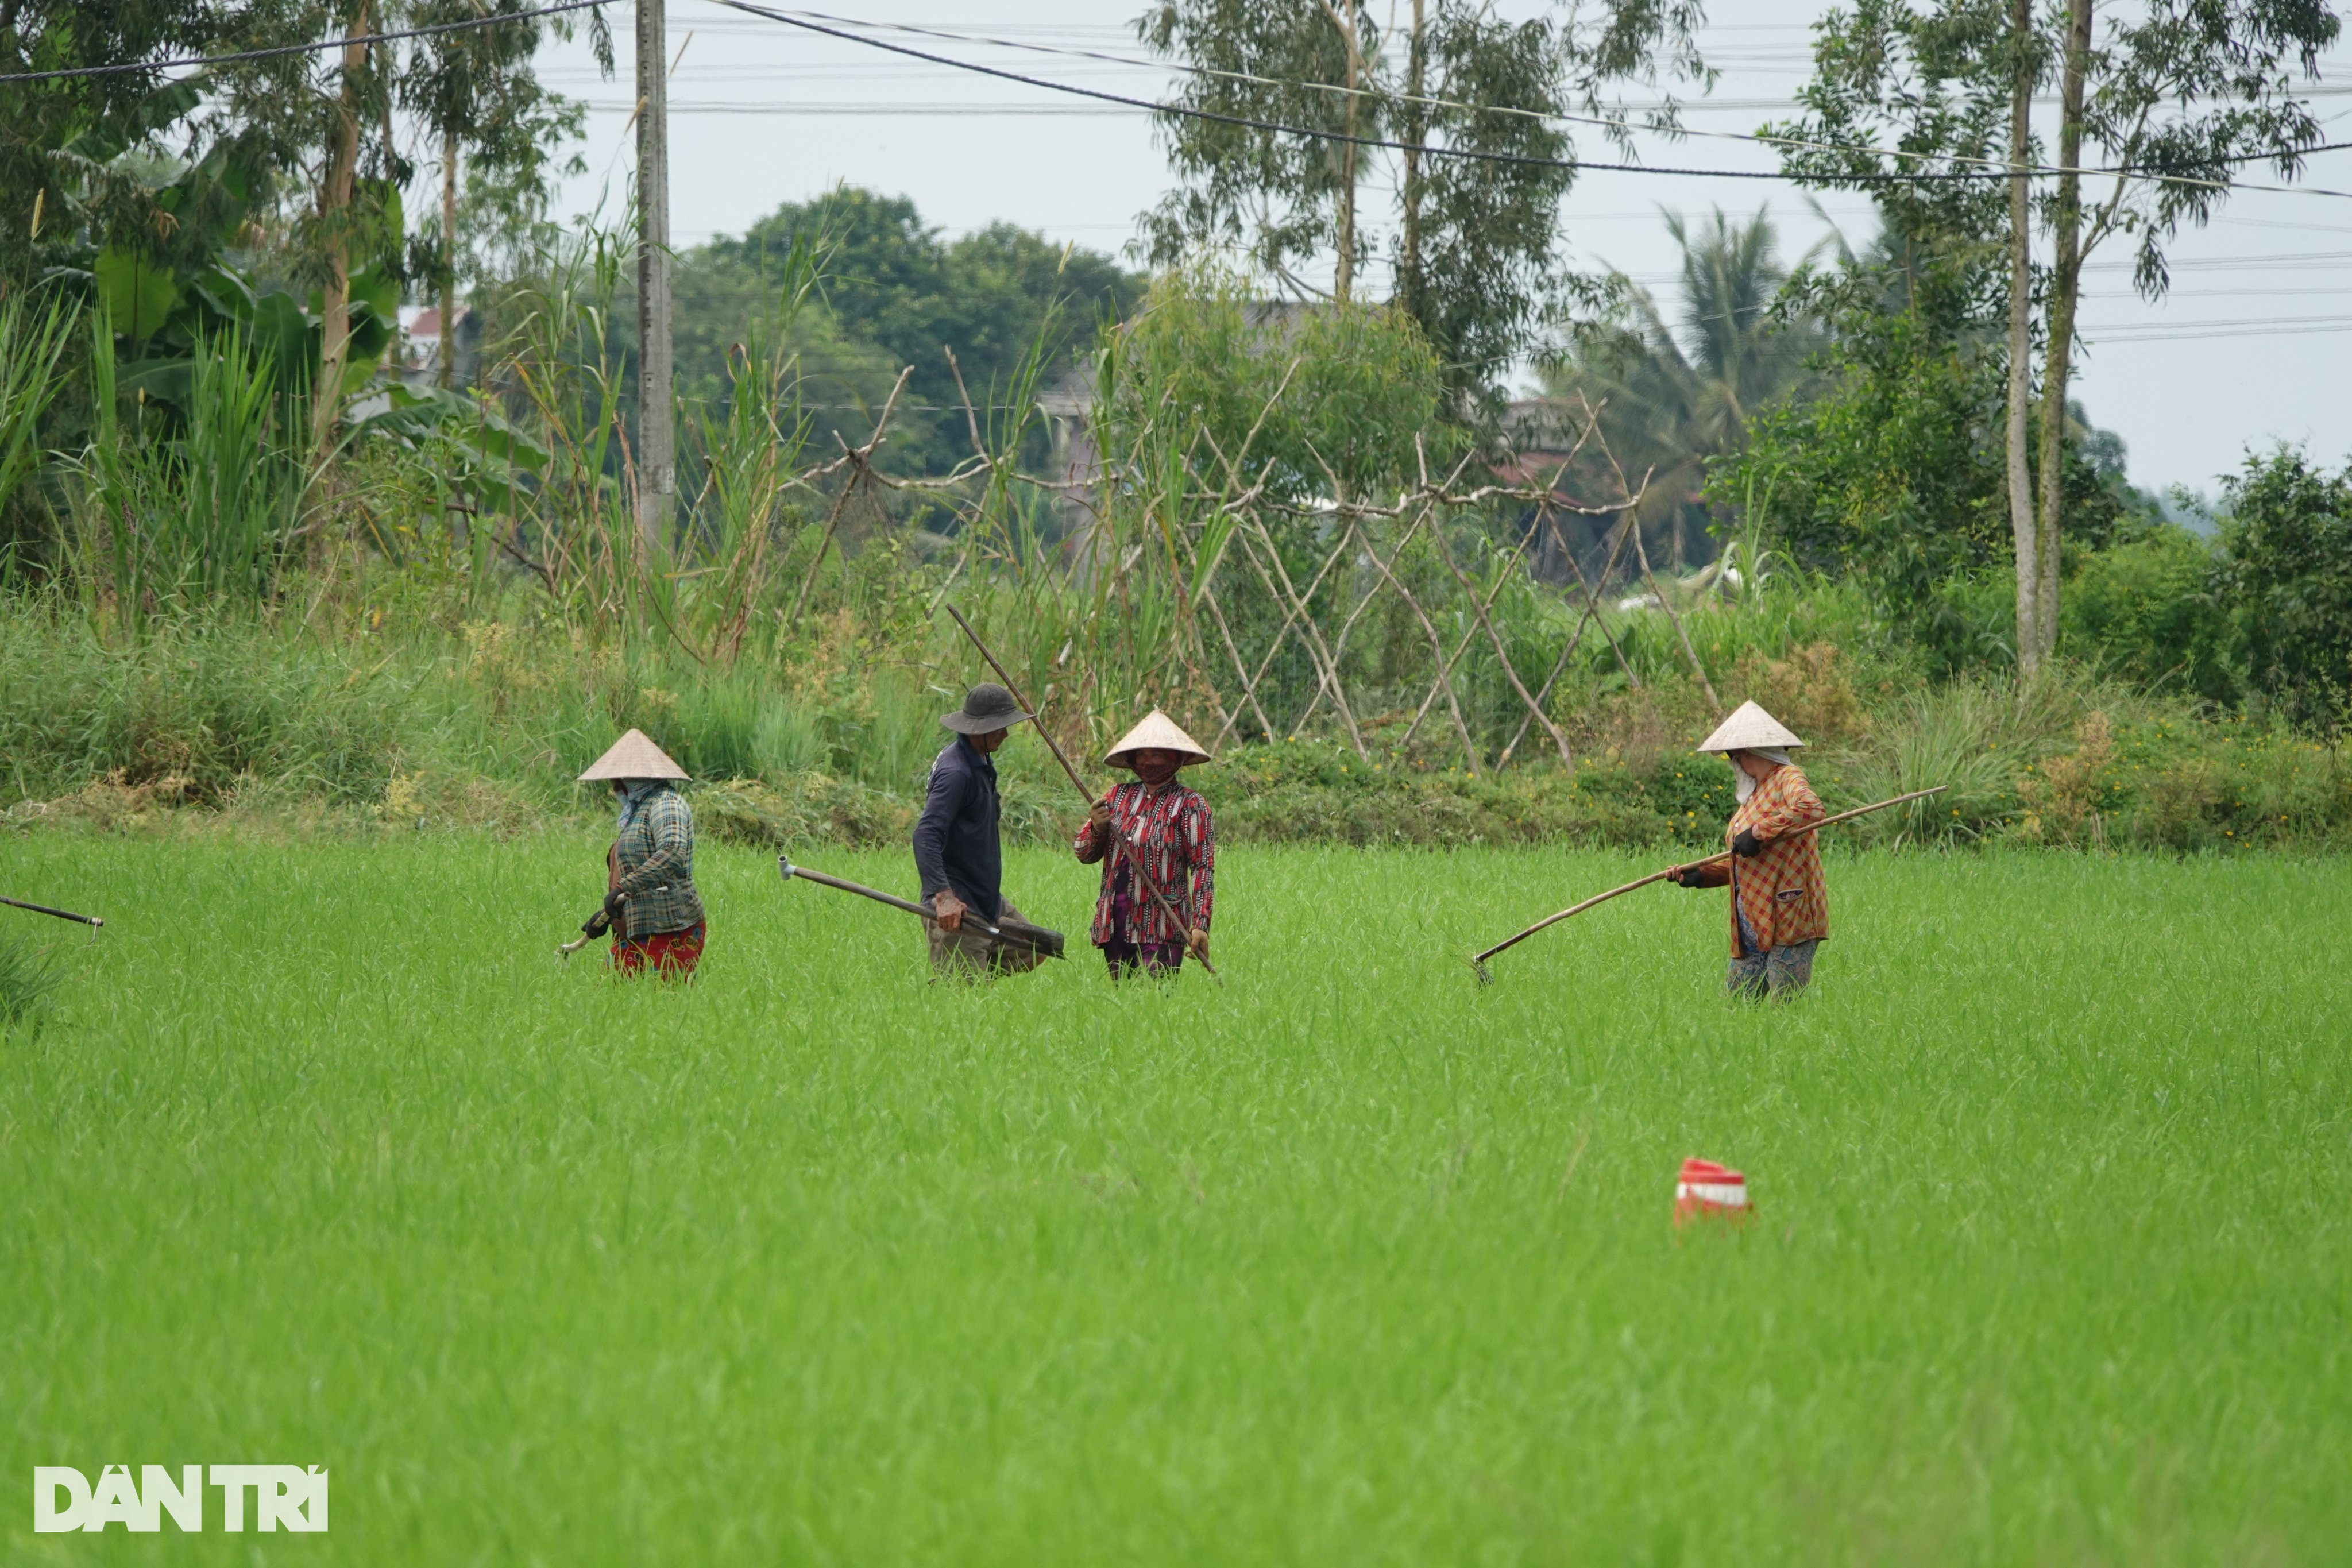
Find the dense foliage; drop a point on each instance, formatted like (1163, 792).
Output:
(894, 293)
(2287, 575)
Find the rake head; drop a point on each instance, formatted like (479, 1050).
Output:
(1485, 978)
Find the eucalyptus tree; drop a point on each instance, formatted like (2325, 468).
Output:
(328, 120)
(303, 119)
(2173, 98)
(1286, 109)
(485, 109)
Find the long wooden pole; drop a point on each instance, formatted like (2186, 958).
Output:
(90, 920)
(1479, 963)
(1019, 939)
(1119, 840)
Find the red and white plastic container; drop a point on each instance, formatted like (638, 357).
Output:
(1706, 1190)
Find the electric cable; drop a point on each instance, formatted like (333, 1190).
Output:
(1993, 168)
(1515, 159)
(283, 49)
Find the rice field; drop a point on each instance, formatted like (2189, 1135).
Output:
(321, 1157)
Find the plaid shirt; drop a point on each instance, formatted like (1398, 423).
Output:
(1171, 827)
(1780, 890)
(656, 854)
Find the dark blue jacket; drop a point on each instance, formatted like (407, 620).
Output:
(955, 842)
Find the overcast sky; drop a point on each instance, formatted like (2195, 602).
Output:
(2245, 351)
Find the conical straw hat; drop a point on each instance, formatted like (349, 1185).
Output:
(1748, 729)
(633, 757)
(1158, 732)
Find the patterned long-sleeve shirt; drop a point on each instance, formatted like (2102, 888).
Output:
(1170, 827)
(656, 857)
(1779, 892)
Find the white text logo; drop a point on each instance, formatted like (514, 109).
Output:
(285, 1496)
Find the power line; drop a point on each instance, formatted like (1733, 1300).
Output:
(1992, 168)
(2164, 332)
(283, 49)
(1515, 160)
(924, 110)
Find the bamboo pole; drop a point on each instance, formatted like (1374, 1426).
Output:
(1479, 961)
(1667, 604)
(1502, 654)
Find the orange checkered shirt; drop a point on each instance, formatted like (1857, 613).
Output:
(1780, 890)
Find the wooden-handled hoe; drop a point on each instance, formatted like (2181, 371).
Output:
(1019, 933)
(1478, 962)
(90, 920)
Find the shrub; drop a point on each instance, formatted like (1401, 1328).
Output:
(2145, 610)
(193, 707)
(2287, 576)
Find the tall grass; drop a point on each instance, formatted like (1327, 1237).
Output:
(194, 707)
(181, 515)
(1278, 542)
(1977, 738)
(34, 338)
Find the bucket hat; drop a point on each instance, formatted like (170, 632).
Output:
(1158, 732)
(986, 706)
(633, 756)
(1750, 729)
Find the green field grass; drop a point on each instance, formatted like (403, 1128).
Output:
(322, 1158)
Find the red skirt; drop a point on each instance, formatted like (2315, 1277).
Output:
(672, 954)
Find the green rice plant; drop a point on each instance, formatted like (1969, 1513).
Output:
(1345, 1261)
(30, 977)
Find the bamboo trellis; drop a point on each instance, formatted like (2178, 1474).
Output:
(1136, 599)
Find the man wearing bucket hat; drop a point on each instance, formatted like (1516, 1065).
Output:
(957, 852)
(1779, 906)
(650, 903)
(1166, 827)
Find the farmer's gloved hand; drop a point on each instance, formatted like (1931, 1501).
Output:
(1747, 843)
(1681, 875)
(596, 924)
(612, 902)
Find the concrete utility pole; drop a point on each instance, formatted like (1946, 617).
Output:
(656, 453)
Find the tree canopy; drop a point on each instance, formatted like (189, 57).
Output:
(895, 293)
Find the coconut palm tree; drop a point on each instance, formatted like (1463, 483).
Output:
(1674, 395)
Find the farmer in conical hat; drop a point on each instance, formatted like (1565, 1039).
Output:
(1167, 825)
(1780, 909)
(957, 851)
(650, 903)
